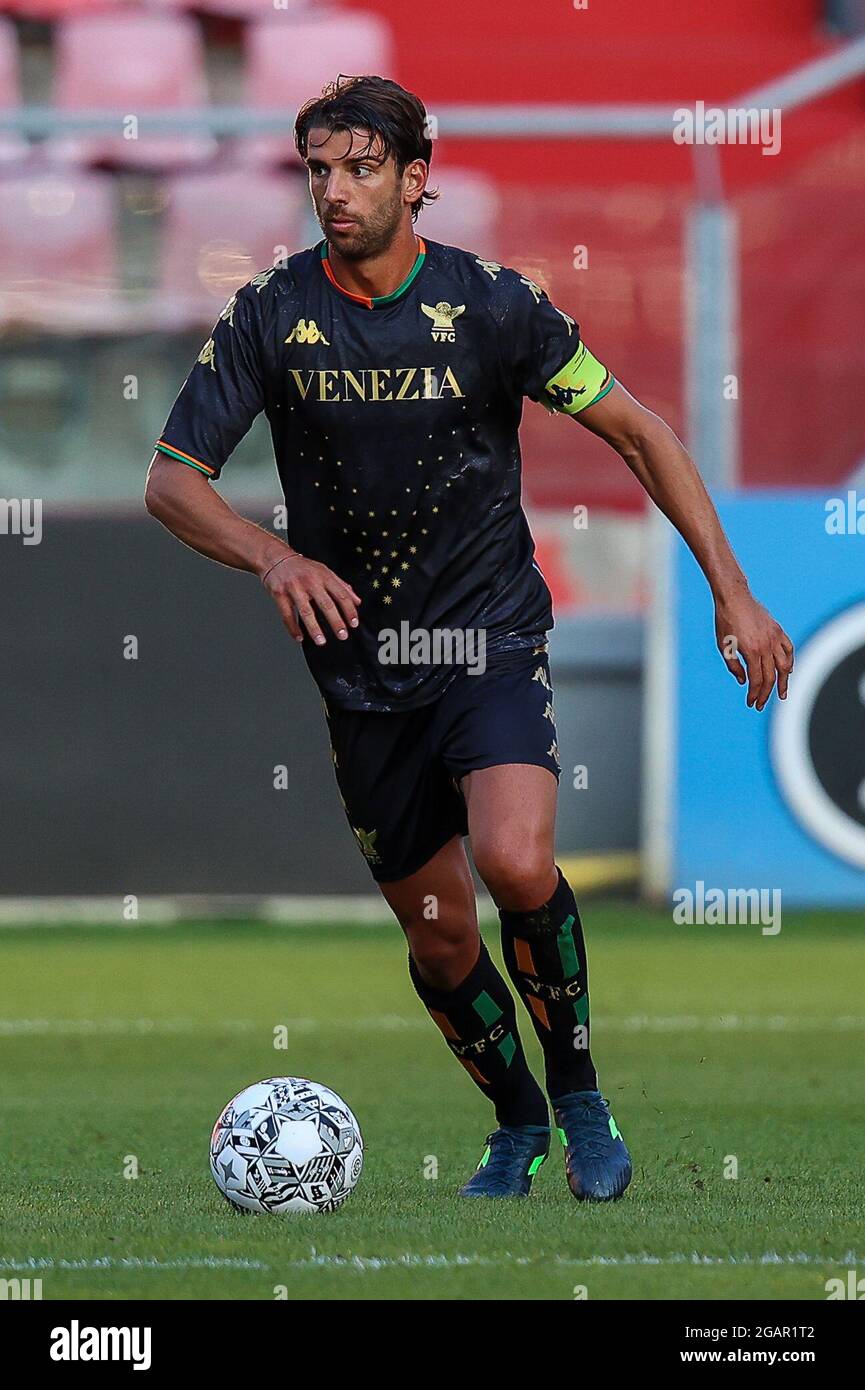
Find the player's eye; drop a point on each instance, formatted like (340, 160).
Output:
(362, 170)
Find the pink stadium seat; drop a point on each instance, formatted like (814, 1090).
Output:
(289, 59)
(467, 213)
(246, 9)
(11, 147)
(133, 63)
(220, 230)
(61, 9)
(58, 252)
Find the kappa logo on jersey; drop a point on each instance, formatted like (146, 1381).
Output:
(207, 355)
(443, 316)
(262, 278)
(304, 332)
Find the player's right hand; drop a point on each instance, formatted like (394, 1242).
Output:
(299, 587)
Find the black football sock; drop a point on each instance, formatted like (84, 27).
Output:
(479, 1023)
(545, 957)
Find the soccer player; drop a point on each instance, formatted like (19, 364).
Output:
(392, 370)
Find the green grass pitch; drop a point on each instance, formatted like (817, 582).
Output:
(122, 1044)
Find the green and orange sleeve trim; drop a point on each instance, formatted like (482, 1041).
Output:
(185, 458)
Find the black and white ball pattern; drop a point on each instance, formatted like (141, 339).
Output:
(286, 1144)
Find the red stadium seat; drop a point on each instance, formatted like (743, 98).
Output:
(11, 147)
(467, 212)
(134, 63)
(290, 59)
(58, 252)
(221, 228)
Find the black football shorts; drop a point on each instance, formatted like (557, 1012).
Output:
(399, 774)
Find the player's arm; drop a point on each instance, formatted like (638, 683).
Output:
(220, 398)
(183, 499)
(665, 469)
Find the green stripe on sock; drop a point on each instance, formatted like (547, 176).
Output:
(567, 949)
(487, 1008)
(581, 1008)
(507, 1047)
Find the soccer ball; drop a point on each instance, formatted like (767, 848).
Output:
(286, 1145)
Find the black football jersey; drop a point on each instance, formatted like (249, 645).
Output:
(395, 430)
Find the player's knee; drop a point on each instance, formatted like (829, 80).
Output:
(444, 959)
(519, 877)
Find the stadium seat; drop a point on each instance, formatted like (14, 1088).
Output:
(290, 59)
(244, 9)
(58, 252)
(467, 212)
(221, 228)
(11, 147)
(60, 9)
(134, 63)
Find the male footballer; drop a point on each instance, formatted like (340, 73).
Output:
(392, 372)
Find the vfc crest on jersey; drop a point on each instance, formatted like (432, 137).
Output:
(443, 316)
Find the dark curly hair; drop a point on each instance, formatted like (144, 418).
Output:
(376, 104)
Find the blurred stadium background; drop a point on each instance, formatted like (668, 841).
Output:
(147, 170)
(149, 699)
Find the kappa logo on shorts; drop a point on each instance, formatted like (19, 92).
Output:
(541, 675)
(366, 839)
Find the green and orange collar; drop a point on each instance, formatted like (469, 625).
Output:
(379, 301)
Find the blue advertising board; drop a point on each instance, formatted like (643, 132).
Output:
(773, 799)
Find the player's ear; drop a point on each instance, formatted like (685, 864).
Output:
(414, 178)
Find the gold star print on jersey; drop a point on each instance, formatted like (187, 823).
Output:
(394, 424)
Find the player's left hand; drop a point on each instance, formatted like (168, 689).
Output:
(744, 628)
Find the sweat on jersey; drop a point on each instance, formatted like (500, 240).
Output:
(395, 430)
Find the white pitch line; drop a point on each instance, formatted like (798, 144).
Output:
(396, 1023)
(48, 1262)
(411, 1260)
